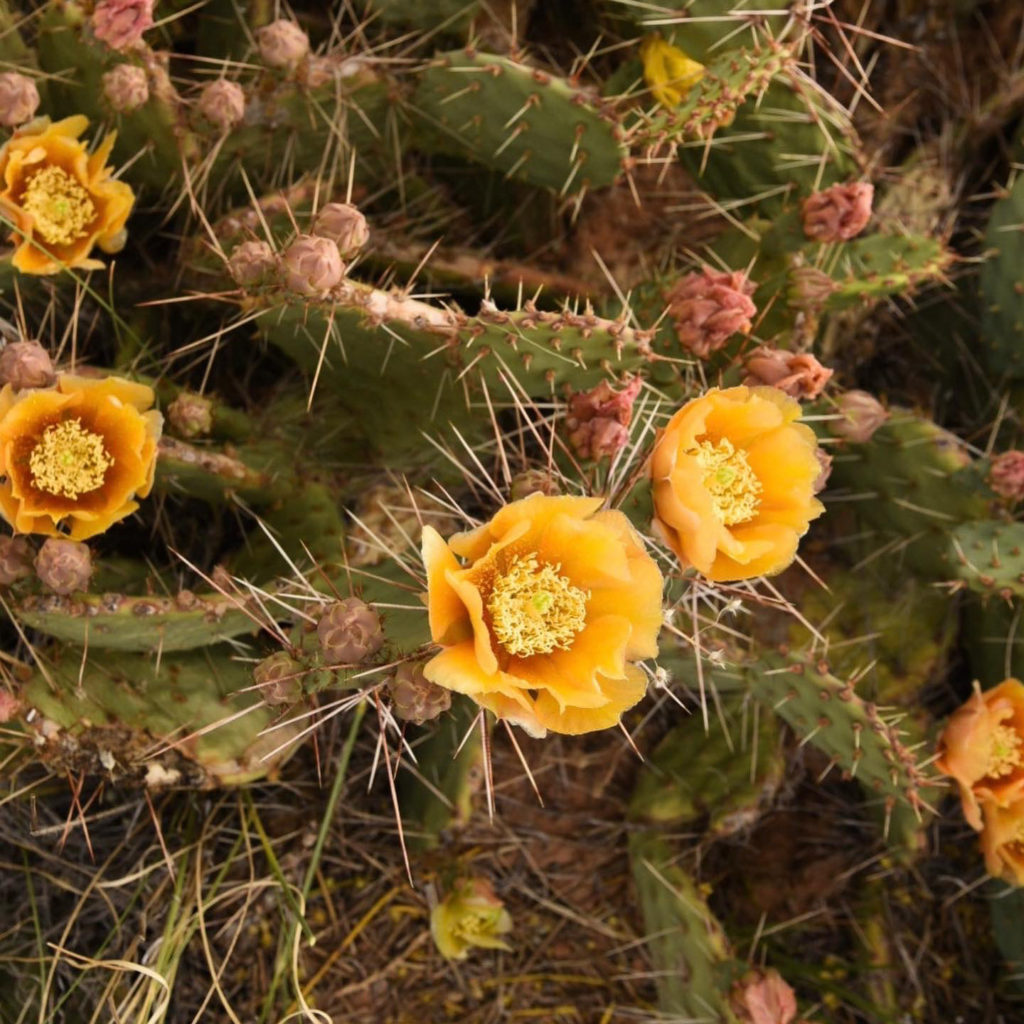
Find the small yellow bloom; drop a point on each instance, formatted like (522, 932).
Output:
(733, 482)
(469, 916)
(1002, 841)
(543, 621)
(668, 72)
(75, 455)
(60, 200)
(982, 748)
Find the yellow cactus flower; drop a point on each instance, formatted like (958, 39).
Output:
(60, 200)
(982, 748)
(1002, 841)
(668, 72)
(733, 479)
(542, 623)
(469, 916)
(73, 457)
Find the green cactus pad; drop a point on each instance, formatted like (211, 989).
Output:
(519, 120)
(1002, 286)
(192, 719)
(116, 622)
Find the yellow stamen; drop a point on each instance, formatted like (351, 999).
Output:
(735, 490)
(1004, 753)
(60, 207)
(534, 610)
(69, 460)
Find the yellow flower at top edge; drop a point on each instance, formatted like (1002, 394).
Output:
(668, 72)
(733, 480)
(75, 456)
(543, 618)
(59, 199)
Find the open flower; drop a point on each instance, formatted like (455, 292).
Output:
(73, 457)
(1002, 842)
(60, 200)
(542, 623)
(982, 748)
(668, 72)
(733, 482)
(471, 915)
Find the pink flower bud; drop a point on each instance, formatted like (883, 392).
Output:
(282, 44)
(312, 265)
(860, 416)
(64, 565)
(810, 288)
(26, 364)
(349, 631)
(763, 997)
(709, 307)
(598, 419)
(798, 374)
(120, 23)
(126, 87)
(825, 461)
(222, 103)
(252, 263)
(414, 698)
(190, 415)
(1006, 475)
(279, 678)
(344, 225)
(15, 559)
(19, 99)
(839, 213)
(9, 706)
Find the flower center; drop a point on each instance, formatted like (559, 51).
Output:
(69, 460)
(1004, 752)
(735, 490)
(534, 610)
(61, 209)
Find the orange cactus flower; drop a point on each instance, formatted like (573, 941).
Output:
(60, 200)
(733, 482)
(73, 457)
(1002, 842)
(982, 748)
(542, 623)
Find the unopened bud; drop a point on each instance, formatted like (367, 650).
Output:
(26, 364)
(64, 565)
(282, 44)
(222, 103)
(860, 416)
(19, 99)
(15, 559)
(252, 263)
(311, 265)
(531, 481)
(279, 678)
(414, 698)
(763, 997)
(798, 374)
(838, 213)
(598, 419)
(126, 87)
(710, 306)
(809, 288)
(344, 225)
(190, 415)
(1006, 475)
(120, 23)
(9, 706)
(349, 631)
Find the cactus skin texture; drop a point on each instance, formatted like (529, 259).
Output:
(518, 120)
(182, 721)
(1002, 325)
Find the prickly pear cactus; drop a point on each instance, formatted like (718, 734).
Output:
(486, 482)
